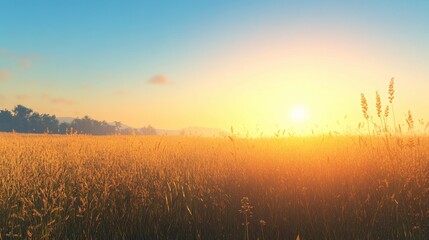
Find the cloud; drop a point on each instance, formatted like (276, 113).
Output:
(61, 101)
(158, 80)
(120, 93)
(4, 75)
(58, 100)
(85, 86)
(45, 96)
(22, 97)
(25, 63)
(3, 52)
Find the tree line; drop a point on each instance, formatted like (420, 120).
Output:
(24, 120)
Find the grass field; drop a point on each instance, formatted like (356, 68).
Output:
(132, 187)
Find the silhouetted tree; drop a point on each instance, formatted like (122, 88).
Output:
(35, 123)
(87, 125)
(50, 123)
(127, 131)
(118, 126)
(65, 128)
(149, 130)
(6, 121)
(106, 128)
(24, 120)
(83, 125)
(21, 118)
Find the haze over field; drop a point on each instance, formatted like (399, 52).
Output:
(220, 119)
(255, 65)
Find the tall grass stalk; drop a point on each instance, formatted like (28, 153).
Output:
(364, 105)
(391, 93)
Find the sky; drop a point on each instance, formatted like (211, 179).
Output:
(259, 66)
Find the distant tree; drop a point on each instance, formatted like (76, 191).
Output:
(35, 123)
(127, 131)
(107, 129)
(49, 123)
(118, 126)
(65, 128)
(88, 125)
(149, 130)
(24, 120)
(21, 118)
(22, 112)
(6, 121)
(83, 125)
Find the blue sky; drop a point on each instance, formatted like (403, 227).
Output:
(98, 57)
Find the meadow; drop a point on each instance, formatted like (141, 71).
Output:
(159, 187)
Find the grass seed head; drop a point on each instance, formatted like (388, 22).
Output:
(391, 90)
(378, 103)
(364, 105)
(386, 111)
(410, 120)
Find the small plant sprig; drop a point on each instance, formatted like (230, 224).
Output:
(246, 210)
(262, 223)
(410, 121)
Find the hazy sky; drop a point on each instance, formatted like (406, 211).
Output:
(175, 64)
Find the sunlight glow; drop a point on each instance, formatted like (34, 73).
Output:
(299, 114)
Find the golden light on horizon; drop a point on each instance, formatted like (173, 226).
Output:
(299, 113)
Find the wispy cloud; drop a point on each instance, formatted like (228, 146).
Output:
(45, 96)
(61, 101)
(159, 80)
(25, 63)
(3, 52)
(120, 93)
(4, 75)
(57, 100)
(23, 60)
(85, 86)
(22, 97)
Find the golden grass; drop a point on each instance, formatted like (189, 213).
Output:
(129, 187)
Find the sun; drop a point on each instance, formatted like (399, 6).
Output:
(299, 113)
